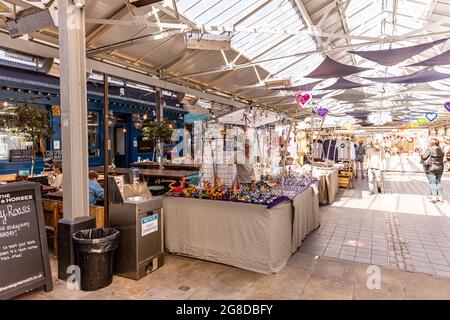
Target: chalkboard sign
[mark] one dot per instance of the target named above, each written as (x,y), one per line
(20,155)
(50,158)
(24,259)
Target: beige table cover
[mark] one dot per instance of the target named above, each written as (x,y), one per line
(306,216)
(328,185)
(246,236)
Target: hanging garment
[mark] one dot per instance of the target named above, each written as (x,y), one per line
(344,149)
(318,150)
(329,149)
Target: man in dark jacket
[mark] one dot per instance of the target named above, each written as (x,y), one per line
(433,163)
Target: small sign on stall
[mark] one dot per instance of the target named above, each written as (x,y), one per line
(149,224)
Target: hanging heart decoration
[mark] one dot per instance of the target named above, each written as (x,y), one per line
(321,111)
(431,116)
(303,98)
(447,106)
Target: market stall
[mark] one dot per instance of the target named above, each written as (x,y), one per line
(247,236)
(256,237)
(327,184)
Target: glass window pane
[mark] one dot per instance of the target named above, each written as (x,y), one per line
(93,134)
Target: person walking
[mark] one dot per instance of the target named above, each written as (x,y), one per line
(360,152)
(376,165)
(432,160)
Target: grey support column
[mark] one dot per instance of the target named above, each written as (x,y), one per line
(72,55)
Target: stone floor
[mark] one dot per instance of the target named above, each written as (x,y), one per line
(398,230)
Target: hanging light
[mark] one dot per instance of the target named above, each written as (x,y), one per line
(137,121)
(111,119)
(124,130)
(145,116)
(5,104)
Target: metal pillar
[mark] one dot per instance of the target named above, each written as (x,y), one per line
(159,118)
(72,55)
(106,147)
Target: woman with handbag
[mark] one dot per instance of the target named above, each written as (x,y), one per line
(433,164)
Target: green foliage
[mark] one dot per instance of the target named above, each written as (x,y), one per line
(156,131)
(29,122)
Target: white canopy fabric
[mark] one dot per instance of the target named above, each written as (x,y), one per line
(270,40)
(253,119)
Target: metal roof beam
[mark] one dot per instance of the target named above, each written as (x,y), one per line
(134,42)
(103,29)
(116,71)
(208,28)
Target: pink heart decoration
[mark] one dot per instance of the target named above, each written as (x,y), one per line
(303,98)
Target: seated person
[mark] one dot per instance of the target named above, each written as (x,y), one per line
(96,191)
(56,178)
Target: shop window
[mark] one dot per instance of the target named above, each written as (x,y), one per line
(93,134)
(10,142)
(144,146)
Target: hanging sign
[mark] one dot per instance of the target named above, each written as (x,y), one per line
(24,259)
(56,111)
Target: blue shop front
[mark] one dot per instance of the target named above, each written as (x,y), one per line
(127,102)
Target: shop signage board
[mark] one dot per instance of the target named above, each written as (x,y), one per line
(20,155)
(50,158)
(24,259)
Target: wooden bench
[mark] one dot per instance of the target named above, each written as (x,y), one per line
(53,212)
(8,177)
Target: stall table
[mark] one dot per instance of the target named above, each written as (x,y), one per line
(328,184)
(247,236)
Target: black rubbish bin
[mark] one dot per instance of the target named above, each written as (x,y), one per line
(94,249)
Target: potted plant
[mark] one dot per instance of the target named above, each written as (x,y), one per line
(31,124)
(157,132)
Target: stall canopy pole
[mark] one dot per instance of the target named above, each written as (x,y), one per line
(311,159)
(159,118)
(106,146)
(319,135)
(283,170)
